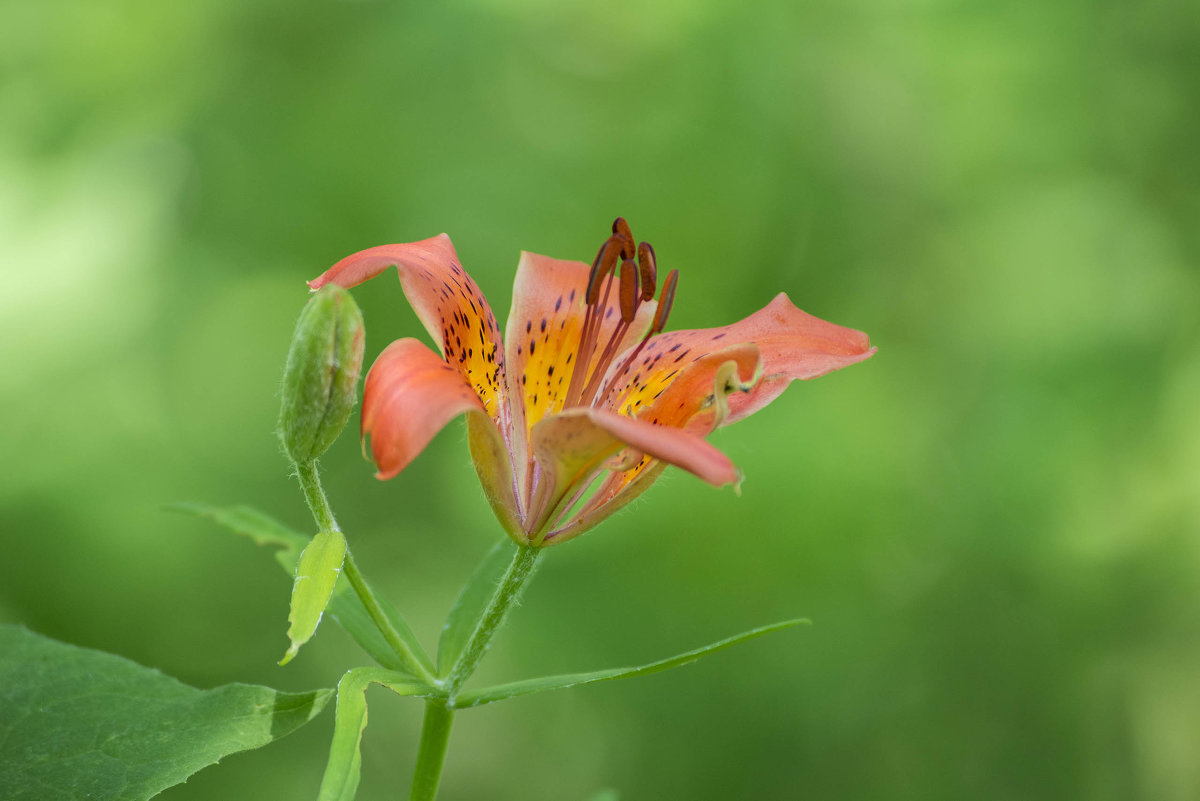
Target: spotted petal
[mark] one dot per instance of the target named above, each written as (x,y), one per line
(695,380)
(697,401)
(793,344)
(409,396)
(448,303)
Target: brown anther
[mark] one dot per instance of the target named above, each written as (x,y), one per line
(606,260)
(664,302)
(621,228)
(648,267)
(629,290)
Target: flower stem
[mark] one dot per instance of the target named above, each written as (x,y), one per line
(439,712)
(318,504)
(435,736)
(381,621)
(439,709)
(310,481)
(508,592)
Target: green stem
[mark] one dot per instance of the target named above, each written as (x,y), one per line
(381,621)
(439,712)
(435,736)
(508,592)
(310,481)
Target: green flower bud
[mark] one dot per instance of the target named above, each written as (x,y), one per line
(321,378)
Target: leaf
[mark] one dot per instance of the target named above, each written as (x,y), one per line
(504,691)
(317,574)
(351,615)
(343,769)
(345,606)
(251,523)
(606,795)
(79,724)
(471,601)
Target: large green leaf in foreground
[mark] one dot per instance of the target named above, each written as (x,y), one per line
(79,724)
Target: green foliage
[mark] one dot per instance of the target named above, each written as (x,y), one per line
(317,573)
(345,606)
(77,724)
(261,529)
(529,686)
(994,523)
(342,772)
(348,611)
(472,599)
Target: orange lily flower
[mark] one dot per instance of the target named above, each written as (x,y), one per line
(584,401)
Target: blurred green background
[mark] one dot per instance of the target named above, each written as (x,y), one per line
(994,524)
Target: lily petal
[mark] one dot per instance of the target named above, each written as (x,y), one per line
(698,401)
(572,447)
(793,344)
(693,398)
(410,395)
(448,303)
(544,326)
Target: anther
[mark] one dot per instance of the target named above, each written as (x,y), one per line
(629,290)
(648,267)
(606,260)
(664,302)
(621,228)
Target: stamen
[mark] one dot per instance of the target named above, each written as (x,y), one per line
(660,319)
(637,283)
(648,268)
(602,270)
(664,303)
(606,260)
(621,228)
(629,291)
(628,287)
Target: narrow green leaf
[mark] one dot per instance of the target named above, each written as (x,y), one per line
(503,691)
(255,525)
(606,795)
(343,769)
(317,574)
(348,610)
(345,606)
(79,724)
(471,601)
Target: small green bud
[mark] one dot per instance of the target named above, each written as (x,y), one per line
(320,381)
